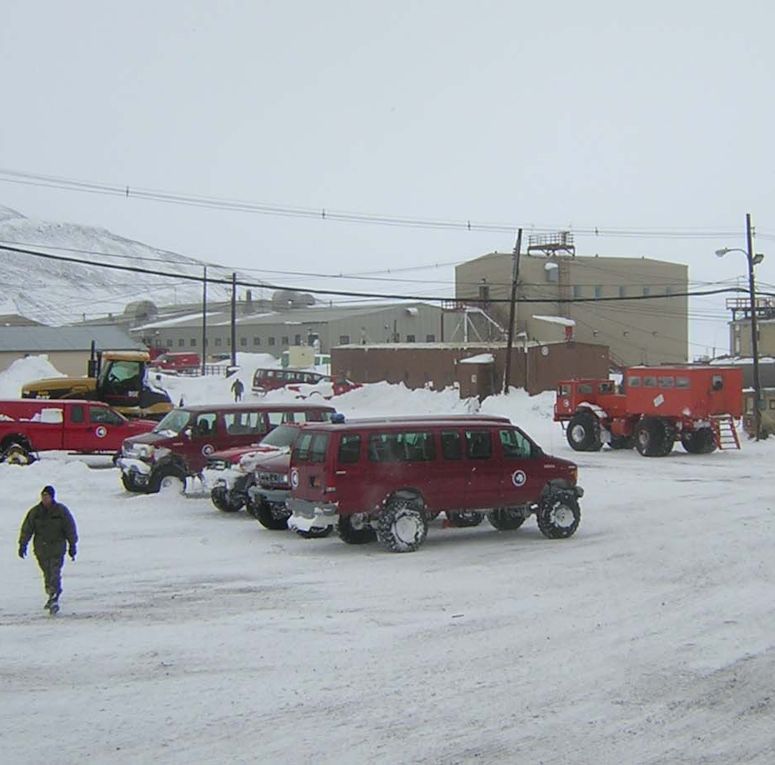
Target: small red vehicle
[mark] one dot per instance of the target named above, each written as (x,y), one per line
(654,407)
(386,478)
(178,362)
(180,445)
(30,425)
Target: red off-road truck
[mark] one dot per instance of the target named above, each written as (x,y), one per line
(652,408)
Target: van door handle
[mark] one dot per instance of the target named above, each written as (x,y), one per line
(341,472)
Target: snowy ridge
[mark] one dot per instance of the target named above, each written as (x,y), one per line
(59,292)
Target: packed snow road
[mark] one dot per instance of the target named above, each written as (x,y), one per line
(189,635)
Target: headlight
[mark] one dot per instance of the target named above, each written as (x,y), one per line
(159,453)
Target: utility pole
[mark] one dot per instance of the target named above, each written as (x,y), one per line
(512,311)
(757,391)
(204,319)
(234,319)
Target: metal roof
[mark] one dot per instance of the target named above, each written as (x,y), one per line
(45,339)
(292,317)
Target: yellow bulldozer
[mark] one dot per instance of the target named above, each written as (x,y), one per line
(119,378)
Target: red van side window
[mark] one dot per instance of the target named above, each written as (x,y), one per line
(349,448)
(451,446)
(478,444)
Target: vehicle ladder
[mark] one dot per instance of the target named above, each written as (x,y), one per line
(724,432)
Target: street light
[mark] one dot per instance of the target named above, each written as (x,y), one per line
(753,260)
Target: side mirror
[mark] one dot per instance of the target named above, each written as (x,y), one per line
(188,432)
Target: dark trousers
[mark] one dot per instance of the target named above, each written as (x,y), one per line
(51,566)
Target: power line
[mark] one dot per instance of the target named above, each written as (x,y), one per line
(68,184)
(349,293)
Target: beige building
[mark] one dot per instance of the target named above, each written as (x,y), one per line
(635,306)
(740,327)
(274,331)
(67,348)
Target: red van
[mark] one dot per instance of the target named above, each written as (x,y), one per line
(178,362)
(179,446)
(384,479)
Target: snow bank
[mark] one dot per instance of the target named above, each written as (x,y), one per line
(23,371)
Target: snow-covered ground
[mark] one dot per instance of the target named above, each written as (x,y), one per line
(192,636)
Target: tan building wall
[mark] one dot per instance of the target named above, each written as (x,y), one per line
(70,363)
(637,331)
(436,366)
(740,337)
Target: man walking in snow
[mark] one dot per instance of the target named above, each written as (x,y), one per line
(237,388)
(52,528)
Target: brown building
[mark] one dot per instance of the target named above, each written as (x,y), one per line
(535,367)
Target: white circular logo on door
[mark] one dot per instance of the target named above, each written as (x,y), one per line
(295,478)
(208,449)
(101,432)
(518,478)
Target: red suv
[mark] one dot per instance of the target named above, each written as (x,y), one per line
(385,479)
(179,446)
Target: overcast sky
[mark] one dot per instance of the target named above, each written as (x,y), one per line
(642,116)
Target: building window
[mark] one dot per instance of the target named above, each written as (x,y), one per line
(646,291)
(193,342)
(622,292)
(430,338)
(169,343)
(228,341)
(256,341)
(344,339)
(668,290)
(577,290)
(410,338)
(181,342)
(598,292)
(218,341)
(243,341)
(284,340)
(271,341)
(297,339)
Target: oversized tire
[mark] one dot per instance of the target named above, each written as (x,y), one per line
(16,454)
(355,529)
(650,437)
(167,479)
(621,442)
(558,515)
(583,432)
(225,500)
(130,484)
(271,516)
(507,518)
(464,519)
(668,438)
(701,441)
(402,525)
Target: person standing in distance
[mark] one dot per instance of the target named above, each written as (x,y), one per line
(52,528)
(237,388)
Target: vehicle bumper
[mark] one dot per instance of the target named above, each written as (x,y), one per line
(139,471)
(306,515)
(272,496)
(227,478)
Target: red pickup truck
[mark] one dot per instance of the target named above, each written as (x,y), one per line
(29,426)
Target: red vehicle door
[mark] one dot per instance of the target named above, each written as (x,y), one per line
(521,467)
(483,469)
(76,429)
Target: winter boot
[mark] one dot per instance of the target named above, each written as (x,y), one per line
(53,607)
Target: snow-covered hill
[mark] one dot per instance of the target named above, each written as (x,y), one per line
(57,292)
